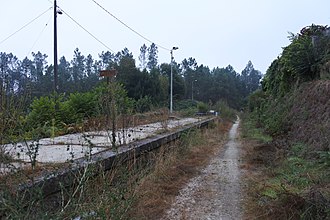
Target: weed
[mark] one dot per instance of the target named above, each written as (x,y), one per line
(173,168)
(294,186)
(164,118)
(251,131)
(325,158)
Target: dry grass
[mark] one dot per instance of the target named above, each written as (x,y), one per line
(172,171)
(142,188)
(282,187)
(254,167)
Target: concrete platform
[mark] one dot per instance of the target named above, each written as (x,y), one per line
(72,146)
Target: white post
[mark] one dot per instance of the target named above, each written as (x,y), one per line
(171,89)
(192,89)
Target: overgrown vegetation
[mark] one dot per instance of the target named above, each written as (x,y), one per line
(29,111)
(287,129)
(285,181)
(141,188)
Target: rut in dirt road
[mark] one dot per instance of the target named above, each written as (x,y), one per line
(216,193)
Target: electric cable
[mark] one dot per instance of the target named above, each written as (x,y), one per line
(39,35)
(86,30)
(123,23)
(27,24)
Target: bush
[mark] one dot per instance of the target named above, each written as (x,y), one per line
(225,111)
(42,111)
(184,105)
(143,104)
(82,105)
(43,118)
(202,107)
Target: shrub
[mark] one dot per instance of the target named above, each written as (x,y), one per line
(42,111)
(143,104)
(82,105)
(225,111)
(185,104)
(202,107)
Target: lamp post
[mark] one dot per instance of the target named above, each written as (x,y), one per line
(192,89)
(171,90)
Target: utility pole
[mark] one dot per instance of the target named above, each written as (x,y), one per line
(55,51)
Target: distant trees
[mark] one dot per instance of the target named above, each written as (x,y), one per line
(143,57)
(251,78)
(152,57)
(33,78)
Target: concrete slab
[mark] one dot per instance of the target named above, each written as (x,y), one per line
(72,146)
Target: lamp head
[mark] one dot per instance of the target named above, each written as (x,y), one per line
(175,48)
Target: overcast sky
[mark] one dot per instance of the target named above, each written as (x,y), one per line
(214,32)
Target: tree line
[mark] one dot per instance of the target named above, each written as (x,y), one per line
(33,78)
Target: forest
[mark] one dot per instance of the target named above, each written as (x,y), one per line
(28,99)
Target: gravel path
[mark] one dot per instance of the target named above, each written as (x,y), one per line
(216,193)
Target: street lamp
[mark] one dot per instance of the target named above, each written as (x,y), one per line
(171,92)
(192,89)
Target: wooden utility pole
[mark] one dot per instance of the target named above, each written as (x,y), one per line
(55,50)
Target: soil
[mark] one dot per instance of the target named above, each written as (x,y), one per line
(216,192)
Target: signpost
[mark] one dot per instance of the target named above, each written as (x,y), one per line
(108,74)
(110,107)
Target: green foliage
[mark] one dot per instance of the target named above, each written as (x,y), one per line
(257,100)
(325,158)
(83,105)
(298,186)
(301,61)
(42,111)
(185,104)
(225,111)
(76,108)
(269,113)
(251,78)
(143,104)
(274,118)
(300,179)
(186,107)
(250,129)
(202,107)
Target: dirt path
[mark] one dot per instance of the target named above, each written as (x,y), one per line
(216,193)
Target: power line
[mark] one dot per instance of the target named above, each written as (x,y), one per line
(39,35)
(25,25)
(87,31)
(123,23)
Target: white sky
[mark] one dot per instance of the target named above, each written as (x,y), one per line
(214,32)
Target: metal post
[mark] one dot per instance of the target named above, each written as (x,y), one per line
(171,89)
(192,89)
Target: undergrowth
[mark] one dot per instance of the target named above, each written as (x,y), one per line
(290,184)
(158,189)
(141,188)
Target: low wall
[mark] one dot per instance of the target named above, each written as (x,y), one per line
(53,182)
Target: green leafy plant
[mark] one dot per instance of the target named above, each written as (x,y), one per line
(202,107)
